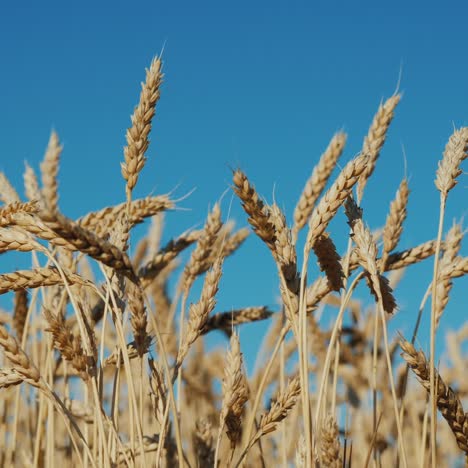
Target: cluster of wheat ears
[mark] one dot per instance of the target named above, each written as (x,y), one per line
(102,366)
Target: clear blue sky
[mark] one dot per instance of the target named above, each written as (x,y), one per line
(260,85)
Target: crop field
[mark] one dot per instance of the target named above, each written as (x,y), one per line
(105,358)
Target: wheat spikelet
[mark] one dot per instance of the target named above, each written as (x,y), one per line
(7,212)
(317,181)
(138,318)
(22,279)
(235,392)
(20,313)
(155,232)
(131,349)
(14,239)
(285,251)
(87,242)
(366,251)
(375,139)
(444,280)
(7,193)
(254,207)
(203,443)
(226,321)
(388,299)
(330,444)
(226,244)
(459,267)
(9,378)
(279,410)
(199,312)
(410,256)
(33,225)
(167,254)
(31,185)
(398,260)
(300,457)
(137,134)
(198,263)
(49,172)
(140,253)
(449,167)
(21,361)
(395,219)
(67,343)
(333,199)
(316,292)
(329,261)
(150,444)
(101,221)
(158,390)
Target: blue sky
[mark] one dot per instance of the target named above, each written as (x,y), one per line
(260,85)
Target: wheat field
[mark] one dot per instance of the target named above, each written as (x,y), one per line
(102,364)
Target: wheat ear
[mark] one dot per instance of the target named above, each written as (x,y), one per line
(24,279)
(138,133)
(138,210)
(375,139)
(334,198)
(278,411)
(67,343)
(226,321)
(317,181)
(199,312)
(21,361)
(255,208)
(7,193)
(7,212)
(235,395)
(444,280)
(447,401)
(447,172)
(330,444)
(394,224)
(49,172)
